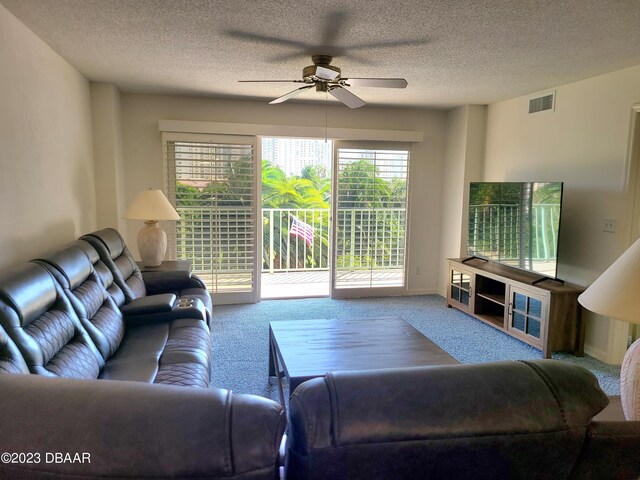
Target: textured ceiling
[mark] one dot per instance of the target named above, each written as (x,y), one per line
(452,52)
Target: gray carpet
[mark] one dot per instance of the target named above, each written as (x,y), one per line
(240,337)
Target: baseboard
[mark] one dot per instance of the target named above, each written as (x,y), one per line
(596,353)
(423,291)
(382,292)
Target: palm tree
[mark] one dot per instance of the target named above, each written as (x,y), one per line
(362,187)
(308,191)
(281,191)
(321,180)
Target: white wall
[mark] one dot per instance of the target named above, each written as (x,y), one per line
(107,153)
(46,165)
(465,136)
(142,151)
(584,143)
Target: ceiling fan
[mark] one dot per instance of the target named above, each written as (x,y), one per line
(326,78)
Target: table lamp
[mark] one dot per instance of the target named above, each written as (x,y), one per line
(616,294)
(151,206)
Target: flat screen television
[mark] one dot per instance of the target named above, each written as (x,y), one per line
(516,224)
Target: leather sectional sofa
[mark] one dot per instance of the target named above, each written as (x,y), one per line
(119,375)
(493,421)
(100,380)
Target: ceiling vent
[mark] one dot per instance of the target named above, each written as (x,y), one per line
(542,102)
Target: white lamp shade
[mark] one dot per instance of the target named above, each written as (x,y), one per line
(151,205)
(616,293)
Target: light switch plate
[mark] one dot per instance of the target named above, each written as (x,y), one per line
(609,225)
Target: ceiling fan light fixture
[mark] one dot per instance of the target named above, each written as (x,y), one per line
(326,78)
(327,73)
(314,73)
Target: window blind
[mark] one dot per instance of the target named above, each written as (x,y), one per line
(212,186)
(371,226)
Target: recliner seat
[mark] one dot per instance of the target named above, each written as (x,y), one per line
(511,420)
(116,256)
(38,317)
(61,320)
(173,351)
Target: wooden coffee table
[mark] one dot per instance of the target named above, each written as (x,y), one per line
(305,349)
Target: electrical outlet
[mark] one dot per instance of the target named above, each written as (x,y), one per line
(609,225)
(417,270)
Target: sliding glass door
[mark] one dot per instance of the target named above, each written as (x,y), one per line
(370,217)
(211,180)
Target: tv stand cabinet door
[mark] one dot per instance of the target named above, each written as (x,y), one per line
(528,314)
(460,288)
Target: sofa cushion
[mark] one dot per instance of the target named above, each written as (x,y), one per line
(115,254)
(102,270)
(39,318)
(138,355)
(187,374)
(159,353)
(95,308)
(188,340)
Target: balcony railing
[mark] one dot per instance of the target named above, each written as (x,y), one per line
(285,252)
(222,240)
(366,239)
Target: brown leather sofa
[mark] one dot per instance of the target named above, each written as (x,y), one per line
(135,430)
(125,382)
(126,395)
(504,420)
(115,254)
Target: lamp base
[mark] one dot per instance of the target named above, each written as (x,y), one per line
(152,244)
(630,382)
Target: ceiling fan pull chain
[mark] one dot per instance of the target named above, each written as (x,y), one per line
(326,122)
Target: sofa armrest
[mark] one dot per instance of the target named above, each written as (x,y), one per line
(150,304)
(163,308)
(166,281)
(137,430)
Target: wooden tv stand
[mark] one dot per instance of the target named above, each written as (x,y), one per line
(546,314)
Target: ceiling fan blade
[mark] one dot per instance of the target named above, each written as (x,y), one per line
(326,73)
(346,97)
(256,37)
(291,94)
(333,26)
(377,82)
(393,44)
(271,81)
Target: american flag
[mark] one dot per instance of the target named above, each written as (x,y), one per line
(302,230)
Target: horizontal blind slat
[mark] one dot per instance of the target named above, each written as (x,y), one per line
(212,187)
(371,217)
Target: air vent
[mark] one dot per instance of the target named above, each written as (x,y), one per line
(542,103)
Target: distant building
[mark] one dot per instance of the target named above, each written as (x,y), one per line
(293,154)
